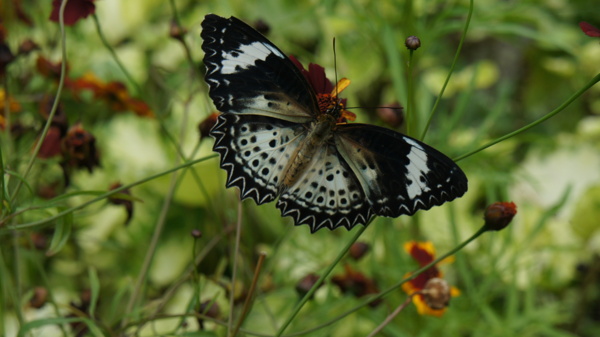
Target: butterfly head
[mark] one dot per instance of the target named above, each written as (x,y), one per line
(331,104)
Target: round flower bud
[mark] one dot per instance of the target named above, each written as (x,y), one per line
(196,233)
(499,214)
(412,43)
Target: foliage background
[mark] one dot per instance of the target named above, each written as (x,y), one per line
(520,60)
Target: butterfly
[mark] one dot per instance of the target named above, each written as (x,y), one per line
(278,139)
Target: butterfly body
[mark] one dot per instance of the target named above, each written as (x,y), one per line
(279,139)
(319,134)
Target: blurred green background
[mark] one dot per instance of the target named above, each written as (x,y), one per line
(520,60)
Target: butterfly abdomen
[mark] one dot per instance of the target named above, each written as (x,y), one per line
(320,132)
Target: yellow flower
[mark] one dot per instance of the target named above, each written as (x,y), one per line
(422,285)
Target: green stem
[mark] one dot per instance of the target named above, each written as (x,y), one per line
(456,55)
(236,252)
(107,194)
(314,288)
(580,92)
(114,54)
(61,83)
(249,297)
(410,116)
(413,275)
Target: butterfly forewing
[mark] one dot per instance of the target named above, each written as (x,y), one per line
(327,195)
(399,175)
(254,151)
(247,74)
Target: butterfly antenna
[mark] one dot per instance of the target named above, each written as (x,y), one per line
(335,66)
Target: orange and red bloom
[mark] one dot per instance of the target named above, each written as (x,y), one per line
(427,281)
(326,92)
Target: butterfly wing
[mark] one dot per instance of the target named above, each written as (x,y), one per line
(254,151)
(327,194)
(247,74)
(398,174)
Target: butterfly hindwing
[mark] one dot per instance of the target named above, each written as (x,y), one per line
(247,74)
(254,151)
(399,175)
(327,195)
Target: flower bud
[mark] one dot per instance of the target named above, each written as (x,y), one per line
(176,31)
(306,283)
(499,214)
(358,250)
(196,233)
(412,43)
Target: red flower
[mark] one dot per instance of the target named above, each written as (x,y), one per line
(207,124)
(74,11)
(589,30)
(424,253)
(79,151)
(123,198)
(327,94)
(48,69)
(356,283)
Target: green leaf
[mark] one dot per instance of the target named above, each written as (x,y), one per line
(27,327)
(95,288)
(61,234)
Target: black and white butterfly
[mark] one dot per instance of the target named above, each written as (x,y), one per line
(275,140)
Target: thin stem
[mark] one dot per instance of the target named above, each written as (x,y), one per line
(248,302)
(236,251)
(151,249)
(61,83)
(108,194)
(114,54)
(413,275)
(189,273)
(456,55)
(410,116)
(159,224)
(580,92)
(391,316)
(320,281)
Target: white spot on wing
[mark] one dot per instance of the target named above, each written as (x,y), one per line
(417,168)
(246,56)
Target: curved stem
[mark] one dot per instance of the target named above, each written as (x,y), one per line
(460,44)
(580,92)
(61,83)
(114,54)
(107,194)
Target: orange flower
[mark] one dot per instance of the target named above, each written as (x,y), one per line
(13,104)
(114,93)
(424,253)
